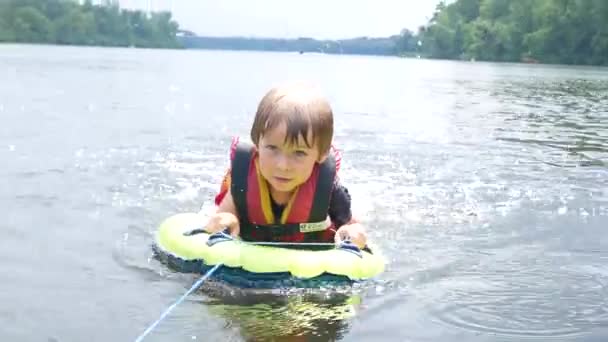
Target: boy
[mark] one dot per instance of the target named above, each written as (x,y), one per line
(284,187)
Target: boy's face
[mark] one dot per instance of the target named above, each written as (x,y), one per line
(286,166)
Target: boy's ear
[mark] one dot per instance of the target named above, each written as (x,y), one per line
(323,157)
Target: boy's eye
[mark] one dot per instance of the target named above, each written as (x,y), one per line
(300,153)
(271,147)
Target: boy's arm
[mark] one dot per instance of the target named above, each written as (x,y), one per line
(339,206)
(225,216)
(341,216)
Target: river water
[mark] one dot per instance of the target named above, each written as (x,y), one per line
(485,185)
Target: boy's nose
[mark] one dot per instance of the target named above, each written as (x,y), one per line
(282,162)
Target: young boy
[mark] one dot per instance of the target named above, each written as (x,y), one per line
(284,187)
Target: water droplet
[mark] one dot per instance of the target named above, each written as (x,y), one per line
(562,210)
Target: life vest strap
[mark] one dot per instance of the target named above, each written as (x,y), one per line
(323,192)
(238,185)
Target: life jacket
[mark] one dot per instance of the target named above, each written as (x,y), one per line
(304,218)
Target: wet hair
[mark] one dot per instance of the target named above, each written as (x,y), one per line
(303,110)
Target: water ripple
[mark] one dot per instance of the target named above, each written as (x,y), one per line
(524,296)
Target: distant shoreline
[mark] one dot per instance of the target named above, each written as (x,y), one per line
(404,56)
(4,43)
(461,30)
(386,46)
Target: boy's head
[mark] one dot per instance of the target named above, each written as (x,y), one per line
(305,113)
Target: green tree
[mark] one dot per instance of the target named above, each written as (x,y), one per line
(554,31)
(67,22)
(75,27)
(31,26)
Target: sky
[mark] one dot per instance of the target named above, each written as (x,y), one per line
(321,19)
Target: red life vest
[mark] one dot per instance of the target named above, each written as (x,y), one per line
(304,218)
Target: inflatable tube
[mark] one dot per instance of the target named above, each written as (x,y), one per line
(184,247)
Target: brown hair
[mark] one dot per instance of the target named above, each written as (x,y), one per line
(301,108)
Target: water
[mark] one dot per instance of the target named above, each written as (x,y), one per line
(486,185)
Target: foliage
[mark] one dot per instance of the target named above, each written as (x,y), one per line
(551,31)
(68,22)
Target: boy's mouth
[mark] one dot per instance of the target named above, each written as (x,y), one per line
(282,179)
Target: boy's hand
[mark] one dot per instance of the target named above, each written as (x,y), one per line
(220,221)
(353,232)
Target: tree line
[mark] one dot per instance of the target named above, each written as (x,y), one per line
(68,22)
(547,31)
(361,45)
